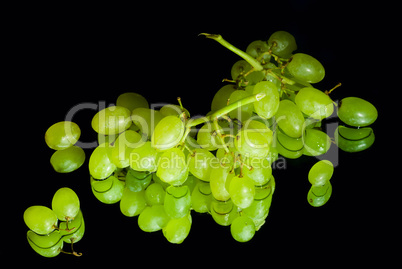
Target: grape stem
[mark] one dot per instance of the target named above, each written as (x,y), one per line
(257,66)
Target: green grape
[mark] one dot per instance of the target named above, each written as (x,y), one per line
(132,203)
(200,163)
(258,49)
(241,113)
(288,147)
(267,106)
(259,208)
(252,144)
(144,158)
(306,68)
(260,171)
(65,204)
(221,97)
(177,201)
(153,218)
(354,140)
(319,195)
(320,173)
(242,229)
(316,142)
(223,212)
(122,147)
(168,133)
(357,112)
(241,68)
(208,138)
(100,166)
(109,190)
(282,44)
(111,120)
(177,230)
(242,191)
(146,119)
(259,127)
(173,110)
(155,194)
(137,181)
(217,182)
(67,160)
(74,231)
(172,167)
(45,245)
(62,135)
(201,197)
(290,119)
(40,219)
(131,101)
(314,103)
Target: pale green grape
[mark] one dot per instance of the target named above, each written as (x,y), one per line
(177,201)
(267,106)
(306,68)
(316,142)
(155,194)
(132,203)
(259,127)
(144,158)
(146,119)
(282,44)
(153,218)
(242,229)
(137,181)
(223,212)
(67,160)
(167,133)
(65,204)
(287,146)
(217,182)
(172,167)
(109,190)
(45,245)
(357,112)
(62,135)
(320,173)
(200,162)
(242,191)
(122,147)
(221,97)
(259,208)
(74,231)
(244,112)
(207,137)
(354,140)
(173,110)
(241,68)
(314,103)
(252,144)
(112,120)
(177,230)
(260,171)
(290,118)
(100,166)
(40,219)
(201,197)
(319,195)
(258,49)
(132,100)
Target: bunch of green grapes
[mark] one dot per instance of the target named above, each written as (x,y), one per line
(51,228)
(161,164)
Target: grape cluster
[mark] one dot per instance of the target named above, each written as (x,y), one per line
(160,164)
(51,228)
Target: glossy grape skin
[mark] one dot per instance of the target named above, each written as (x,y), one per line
(131,101)
(354,140)
(314,103)
(112,120)
(223,212)
(285,44)
(172,167)
(108,191)
(77,229)
(316,142)
(67,160)
(132,203)
(357,112)
(62,135)
(177,230)
(221,97)
(267,106)
(100,166)
(177,201)
(40,219)
(144,158)
(200,162)
(65,204)
(306,68)
(319,195)
(242,191)
(252,144)
(167,133)
(290,118)
(242,229)
(48,245)
(153,218)
(320,173)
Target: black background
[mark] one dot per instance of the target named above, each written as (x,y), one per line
(71,55)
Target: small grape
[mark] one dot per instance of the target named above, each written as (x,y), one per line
(40,219)
(242,229)
(357,112)
(320,173)
(65,204)
(62,135)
